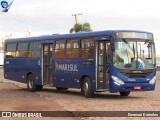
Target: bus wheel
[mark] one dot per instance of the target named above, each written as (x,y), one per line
(31,83)
(61,88)
(87,88)
(124,93)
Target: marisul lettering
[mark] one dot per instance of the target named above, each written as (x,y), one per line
(67,67)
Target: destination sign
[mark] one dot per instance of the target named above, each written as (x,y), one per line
(138,35)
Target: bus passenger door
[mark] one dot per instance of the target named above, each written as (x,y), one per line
(47,63)
(103,52)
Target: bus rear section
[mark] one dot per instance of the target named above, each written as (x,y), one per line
(21,60)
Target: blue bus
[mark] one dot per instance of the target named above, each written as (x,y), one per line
(114,60)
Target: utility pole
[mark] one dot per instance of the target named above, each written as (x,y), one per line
(75,15)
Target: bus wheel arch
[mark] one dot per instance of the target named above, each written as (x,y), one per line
(31,85)
(27,78)
(31,82)
(86,86)
(29,74)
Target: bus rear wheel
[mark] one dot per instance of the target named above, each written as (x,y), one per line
(87,89)
(31,83)
(124,93)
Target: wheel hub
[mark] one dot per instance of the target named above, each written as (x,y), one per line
(31,83)
(86,87)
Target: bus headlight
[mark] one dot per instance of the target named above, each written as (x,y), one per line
(153,80)
(117,80)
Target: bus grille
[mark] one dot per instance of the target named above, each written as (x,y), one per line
(137,75)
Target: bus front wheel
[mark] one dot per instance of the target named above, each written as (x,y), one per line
(124,93)
(31,83)
(87,89)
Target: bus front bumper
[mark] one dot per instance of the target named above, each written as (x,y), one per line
(132,87)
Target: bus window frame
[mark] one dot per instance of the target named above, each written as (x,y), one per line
(17,51)
(94,49)
(6,50)
(77,39)
(64,49)
(34,50)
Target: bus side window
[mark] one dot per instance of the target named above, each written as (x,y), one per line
(10,50)
(87,48)
(72,48)
(34,50)
(59,49)
(22,50)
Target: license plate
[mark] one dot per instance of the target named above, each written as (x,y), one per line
(137,87)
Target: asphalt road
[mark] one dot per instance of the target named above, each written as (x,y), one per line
(15,97)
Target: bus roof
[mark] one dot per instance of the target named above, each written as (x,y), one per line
(74,35)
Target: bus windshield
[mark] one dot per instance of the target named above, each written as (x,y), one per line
(136,55)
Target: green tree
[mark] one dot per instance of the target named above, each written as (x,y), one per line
(81,27)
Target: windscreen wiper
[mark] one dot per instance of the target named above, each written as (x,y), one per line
(128,45)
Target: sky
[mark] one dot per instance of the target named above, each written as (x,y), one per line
(43,17)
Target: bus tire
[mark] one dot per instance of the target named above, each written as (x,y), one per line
(87,89)
(61,88)
(31,83)
(125,93)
